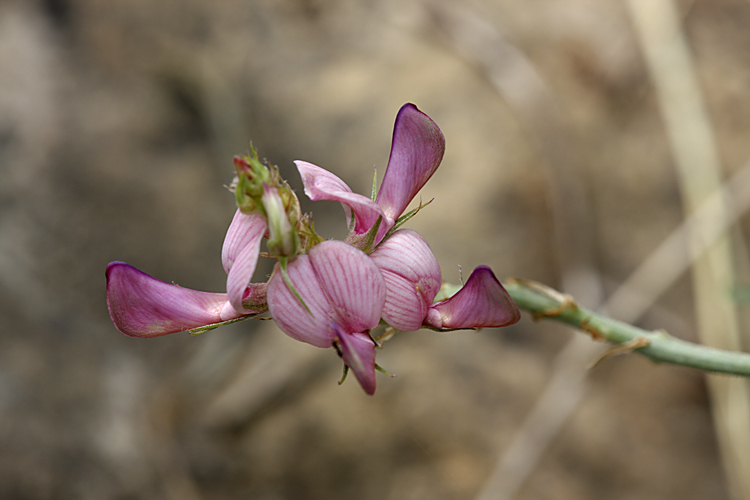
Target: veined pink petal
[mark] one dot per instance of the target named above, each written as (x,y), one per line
(407,254)
(352,283)
(243,231)
(358,352)
(482,302)
(142,306)
(320,184)
(412,277)
(240,255)
(404,307)
(416,152)
(290,315)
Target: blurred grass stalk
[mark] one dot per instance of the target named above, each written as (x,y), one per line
(667,55)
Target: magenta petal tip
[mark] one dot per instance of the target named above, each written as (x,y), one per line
(481,302)
(416,152)
(142,306)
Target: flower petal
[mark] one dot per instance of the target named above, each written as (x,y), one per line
(358,351)
(313,327)
(320,184)
(416,151)
(352,283)
(404,308)
(482,302)
(240,255)
(412,277)
(243,231)
(142,306)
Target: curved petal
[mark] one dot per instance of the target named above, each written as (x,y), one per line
(407,254)
(412,277)
(320,184)
(352,283)
(243,231)
(142,306)
(313,327)
(358,352)
(240,255)
(416,152)
(404,308)
(482,302)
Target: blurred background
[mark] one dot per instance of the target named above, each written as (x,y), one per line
(118,123)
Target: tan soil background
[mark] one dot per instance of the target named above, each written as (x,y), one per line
(118,122)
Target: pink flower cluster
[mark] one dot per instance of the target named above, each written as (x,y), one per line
(325,293)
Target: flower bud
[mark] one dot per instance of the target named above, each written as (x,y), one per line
(283,240)
(248,184)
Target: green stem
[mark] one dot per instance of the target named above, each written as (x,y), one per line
(545,303)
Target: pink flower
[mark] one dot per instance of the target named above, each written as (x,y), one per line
(142,306)
(336,293)
(341,294)
(416,151)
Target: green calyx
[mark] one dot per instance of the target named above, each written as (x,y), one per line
(248,184)
(366,242)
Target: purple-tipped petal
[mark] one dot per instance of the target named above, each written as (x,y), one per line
(482,302)
(358,351)
(416,152)
(240,255)
(142,306)
(290,315)
(321,184)
(352,283)
(412,277)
